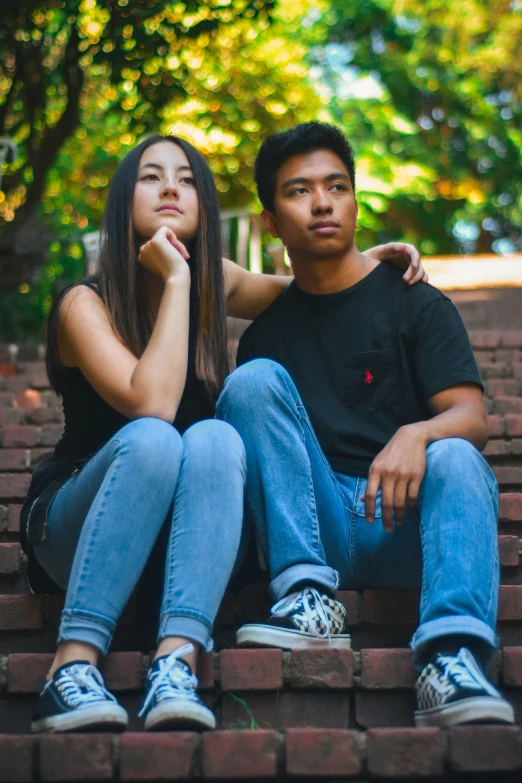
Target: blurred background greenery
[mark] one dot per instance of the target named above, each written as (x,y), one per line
(428,92)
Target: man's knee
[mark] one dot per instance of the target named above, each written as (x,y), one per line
(255,383)
(456,459)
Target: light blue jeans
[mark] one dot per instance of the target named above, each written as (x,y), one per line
(104,521)
(310,524)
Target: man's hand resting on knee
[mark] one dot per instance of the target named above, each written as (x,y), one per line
(399,468)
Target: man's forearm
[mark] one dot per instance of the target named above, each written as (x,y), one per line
(460,421)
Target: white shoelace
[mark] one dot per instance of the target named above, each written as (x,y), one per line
(82,684)
(463,669)
(166,676)
(287,605)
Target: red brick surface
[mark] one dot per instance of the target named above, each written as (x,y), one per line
(13,517)
(9,559)
(511,506)
(349,600)
(387,668)
(205,671)
(123,671)
(495,426)
(25,435)
(247,670)
(394,753)
(287,709)
(76,757)
(321,669)
(321,753)
(486,748)
(508,550)
(497,448)
(20,612)
(14,485)
(16,754)
(228,755)
(310,696)
(508,474)
(510,602)
(391,606)
(512,665)
(26,672)
(10,416)
(14,459)
(384,708)
(513,424)
(8,369)
(158,756)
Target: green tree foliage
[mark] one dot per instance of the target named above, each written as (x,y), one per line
(54,54)
(431,94)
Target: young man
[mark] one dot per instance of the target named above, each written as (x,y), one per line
(360,406)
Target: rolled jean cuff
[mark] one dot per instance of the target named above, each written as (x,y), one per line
(186,628)
(462,625)
(302,573)
(89,630)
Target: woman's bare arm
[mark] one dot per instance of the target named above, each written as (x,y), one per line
(249,294)
(149,386)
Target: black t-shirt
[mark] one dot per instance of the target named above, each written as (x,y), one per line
(364,360)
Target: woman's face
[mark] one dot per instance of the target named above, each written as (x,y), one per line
(165,193)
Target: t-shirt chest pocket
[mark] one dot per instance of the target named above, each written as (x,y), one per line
(371,380)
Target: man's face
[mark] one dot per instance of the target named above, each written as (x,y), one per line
(315,208)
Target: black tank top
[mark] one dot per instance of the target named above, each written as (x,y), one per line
(90,421)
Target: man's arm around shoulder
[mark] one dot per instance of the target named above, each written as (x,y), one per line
(399,468)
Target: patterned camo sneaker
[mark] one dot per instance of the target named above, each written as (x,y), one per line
(76,699)
(452,689)
(172,700)
(303,620)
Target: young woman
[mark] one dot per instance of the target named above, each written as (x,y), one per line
(134,350)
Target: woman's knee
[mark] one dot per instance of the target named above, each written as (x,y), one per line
(215,442)
(153,443)
(256,381)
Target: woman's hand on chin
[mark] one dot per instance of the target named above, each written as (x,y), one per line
(165,256)
(402,255)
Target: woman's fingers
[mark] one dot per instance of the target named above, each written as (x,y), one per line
(175,242)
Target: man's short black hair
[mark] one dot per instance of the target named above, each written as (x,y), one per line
(306,137)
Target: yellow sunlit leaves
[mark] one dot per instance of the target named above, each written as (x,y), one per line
(403,125)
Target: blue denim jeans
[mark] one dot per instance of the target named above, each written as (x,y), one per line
(104,521)
(310,522)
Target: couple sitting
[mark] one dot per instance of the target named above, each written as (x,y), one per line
(352,425)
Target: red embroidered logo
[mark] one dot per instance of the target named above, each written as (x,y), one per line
(368,377)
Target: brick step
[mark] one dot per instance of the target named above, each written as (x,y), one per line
(26,612)
(33,629)
(268,688)
(267,754)
(261,670)
(12,561)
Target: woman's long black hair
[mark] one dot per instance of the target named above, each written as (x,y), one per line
(121,279)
